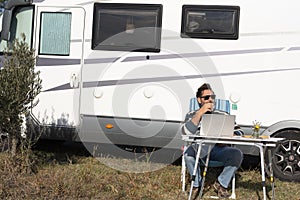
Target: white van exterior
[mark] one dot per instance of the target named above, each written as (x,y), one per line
(123,72)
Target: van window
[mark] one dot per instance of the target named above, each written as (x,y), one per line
(22,22)
(55,33)
(216,22)
(127,27)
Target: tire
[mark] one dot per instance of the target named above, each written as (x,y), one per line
(286,156)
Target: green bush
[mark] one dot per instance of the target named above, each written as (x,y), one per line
(19,85)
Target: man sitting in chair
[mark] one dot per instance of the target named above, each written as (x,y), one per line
(231,157)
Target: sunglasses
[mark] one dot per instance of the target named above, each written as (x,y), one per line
(206,97)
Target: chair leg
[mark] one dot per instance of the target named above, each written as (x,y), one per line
(183,171)
(233,195)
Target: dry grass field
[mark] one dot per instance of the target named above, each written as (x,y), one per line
(64,175)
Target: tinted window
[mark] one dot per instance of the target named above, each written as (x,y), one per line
(127,27)
(220,22)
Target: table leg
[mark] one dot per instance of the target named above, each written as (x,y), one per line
(205,171)
(271,173)
(195,169)
(262,163)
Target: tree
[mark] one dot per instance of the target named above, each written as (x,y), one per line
(19,85)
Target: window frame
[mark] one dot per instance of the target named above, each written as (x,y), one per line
(211,8)
(40,32)
(151,7)
(9,42)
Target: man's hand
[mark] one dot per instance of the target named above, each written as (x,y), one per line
(207,107)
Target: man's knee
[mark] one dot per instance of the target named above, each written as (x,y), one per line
(189,159)
(237,157)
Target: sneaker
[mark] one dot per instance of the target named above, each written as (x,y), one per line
(220,190)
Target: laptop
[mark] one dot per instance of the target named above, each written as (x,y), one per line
(216,125)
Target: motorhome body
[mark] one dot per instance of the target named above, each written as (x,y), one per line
(123,72)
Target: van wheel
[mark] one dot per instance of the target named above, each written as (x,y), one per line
(286,156)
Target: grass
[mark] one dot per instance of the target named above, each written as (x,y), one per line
(70,176)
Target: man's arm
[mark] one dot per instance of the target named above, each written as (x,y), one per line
(193,119)
(189,128)
(238,131)
(208,107)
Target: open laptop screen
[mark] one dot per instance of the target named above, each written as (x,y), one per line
(216,125)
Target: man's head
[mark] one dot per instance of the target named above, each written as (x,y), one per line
(205,94)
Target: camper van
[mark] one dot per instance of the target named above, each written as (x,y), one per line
(124,72)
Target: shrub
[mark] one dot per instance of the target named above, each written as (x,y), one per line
(19,85)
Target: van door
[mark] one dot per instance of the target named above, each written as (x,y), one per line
(59,41)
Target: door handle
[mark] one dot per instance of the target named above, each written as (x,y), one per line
(74,81)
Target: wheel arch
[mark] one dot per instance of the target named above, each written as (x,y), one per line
(282,126)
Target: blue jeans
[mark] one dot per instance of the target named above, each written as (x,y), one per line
(231,158)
